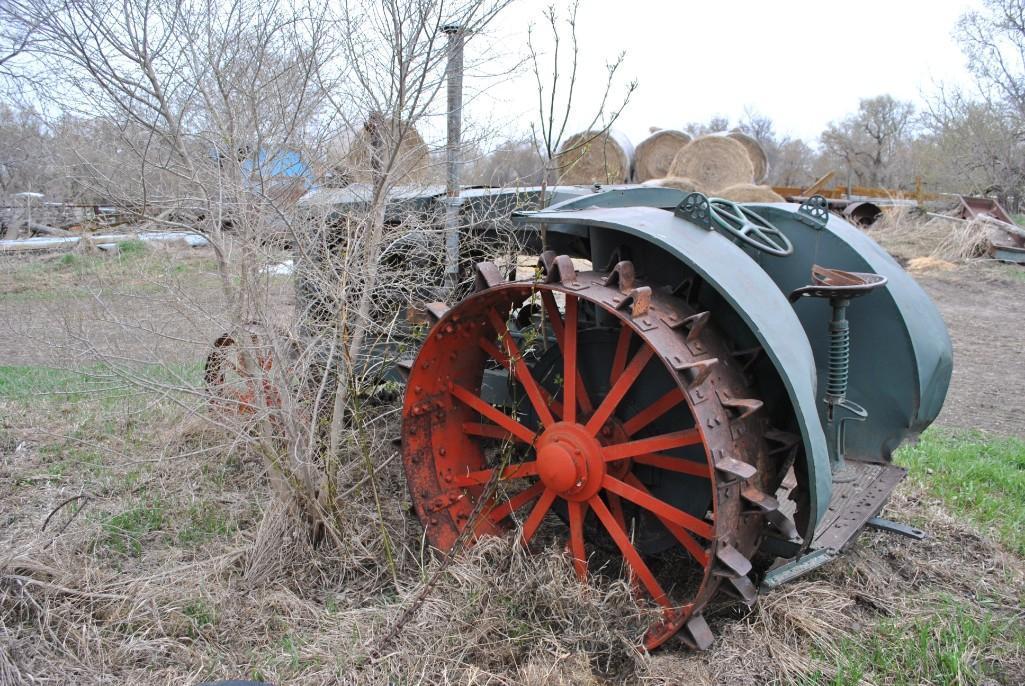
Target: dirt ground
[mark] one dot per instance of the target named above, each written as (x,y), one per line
(984,308)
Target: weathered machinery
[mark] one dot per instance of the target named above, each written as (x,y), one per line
(698,395)
(712,404)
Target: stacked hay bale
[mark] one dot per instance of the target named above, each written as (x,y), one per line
(373,146)
(713,162)
(749,192)
(595,157)
(680,183)
(655,154)
(755,152)
(728,166)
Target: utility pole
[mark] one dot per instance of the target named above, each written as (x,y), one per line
(453,200)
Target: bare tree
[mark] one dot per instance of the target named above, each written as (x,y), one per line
(993,39)
(219,116)
(556,77)
(717,124)
(870,142)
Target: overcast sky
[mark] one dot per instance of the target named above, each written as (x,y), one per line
(802,63)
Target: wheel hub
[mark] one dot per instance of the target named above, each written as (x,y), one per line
(570,461)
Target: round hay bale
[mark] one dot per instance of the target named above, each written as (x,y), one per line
(749,192)
(373,146)
(713,162)
(678,182)
(595,157)
(654,155)
(759,160)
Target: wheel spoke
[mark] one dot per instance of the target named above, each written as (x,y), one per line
(619,389)
(503,359)
(521,369)
(487,431)
(679,533)
(569,361)
(653,411)
(541,507)
(483,476)
(630,554)
(622,350)
(674,464)
(503,420)
(616,508)
(659,508)
(653,444)
(500,512)
(577,510)
(557,326)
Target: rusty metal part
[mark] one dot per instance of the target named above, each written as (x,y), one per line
(234,384)
(863,212)
(625,469)
(855,501)
(973,207)
(819,184)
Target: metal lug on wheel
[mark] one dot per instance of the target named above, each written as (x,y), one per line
(623,276)
(693,324)
(698,634)
(404,367)
(759,498)
(784,438)
(783,524)
(558,269)
(733,467)
(638,300)
(742,587)
(697,372)
(733,560)
(435,311)
(487,275)
(744,407)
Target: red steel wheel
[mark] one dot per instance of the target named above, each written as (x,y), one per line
(232,387)
(628,433)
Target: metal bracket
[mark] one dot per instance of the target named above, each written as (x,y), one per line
(814,212)
(695,209)
(802,565)
(897,528)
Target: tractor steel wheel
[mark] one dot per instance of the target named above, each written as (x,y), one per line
(234,389)
(633,438)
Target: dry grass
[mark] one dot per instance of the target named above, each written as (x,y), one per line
(908,233)
(174,567)
(129,592)
(964,240)
(918,265)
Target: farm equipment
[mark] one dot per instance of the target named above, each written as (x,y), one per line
(714,403)
(698,395)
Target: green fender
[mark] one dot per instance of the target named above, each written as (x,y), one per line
(751,293)
(901,355)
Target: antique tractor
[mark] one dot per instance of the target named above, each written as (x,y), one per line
(712,405)
(695,394)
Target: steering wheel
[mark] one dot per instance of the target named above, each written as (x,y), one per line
(749,226)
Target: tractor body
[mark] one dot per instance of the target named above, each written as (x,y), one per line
(714,402)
